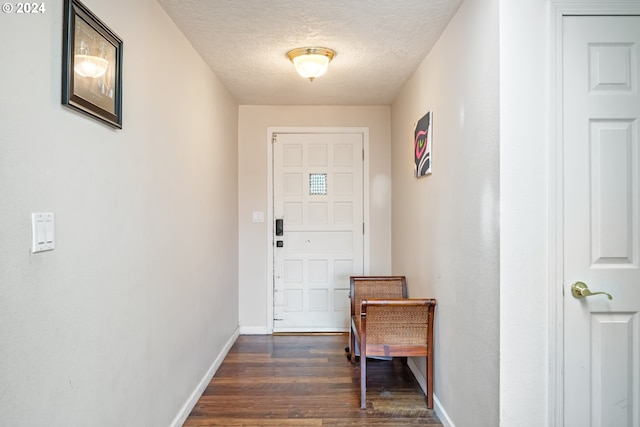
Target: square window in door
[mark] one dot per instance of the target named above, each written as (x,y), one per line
(318,184)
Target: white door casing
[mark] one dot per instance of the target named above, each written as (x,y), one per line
(601,224)
(318,239)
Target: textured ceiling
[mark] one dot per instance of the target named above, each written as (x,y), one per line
(379,44)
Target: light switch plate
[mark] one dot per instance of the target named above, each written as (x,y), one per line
(257,216)
(43,232)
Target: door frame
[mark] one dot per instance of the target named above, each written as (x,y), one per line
(559,10)
(364,131)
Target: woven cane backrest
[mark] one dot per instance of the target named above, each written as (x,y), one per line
(393,325)
(375,287)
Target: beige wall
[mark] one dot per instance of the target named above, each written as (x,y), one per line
(446,225)
(253,191)
(121,321)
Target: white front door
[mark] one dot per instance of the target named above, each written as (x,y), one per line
(601,113)
(318,230)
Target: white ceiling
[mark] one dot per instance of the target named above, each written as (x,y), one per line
(379,44)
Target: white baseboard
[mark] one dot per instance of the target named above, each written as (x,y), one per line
(253,330)
(184,412)
(437,406)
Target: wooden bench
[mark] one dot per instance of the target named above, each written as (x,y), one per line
(371,287)
(386,323)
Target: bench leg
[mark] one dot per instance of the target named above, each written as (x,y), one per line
(430,382)
(352,347)
(363,380)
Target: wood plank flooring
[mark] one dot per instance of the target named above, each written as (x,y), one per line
(306,380)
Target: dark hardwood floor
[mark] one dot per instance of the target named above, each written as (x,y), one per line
(306,380)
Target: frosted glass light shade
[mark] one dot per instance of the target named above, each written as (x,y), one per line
(311,62)
(311,66)
(90,66)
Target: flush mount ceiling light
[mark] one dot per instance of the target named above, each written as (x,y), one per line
(311,62)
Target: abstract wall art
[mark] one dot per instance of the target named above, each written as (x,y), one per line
(422,144)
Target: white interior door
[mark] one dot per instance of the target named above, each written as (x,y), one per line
(318,235)
(601,63)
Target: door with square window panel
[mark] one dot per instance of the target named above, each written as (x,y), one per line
(318,232)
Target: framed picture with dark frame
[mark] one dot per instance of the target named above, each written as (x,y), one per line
(91,65)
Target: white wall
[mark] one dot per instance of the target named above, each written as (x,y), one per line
(121,321)
(445,226)
(525,68)
(252,182)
